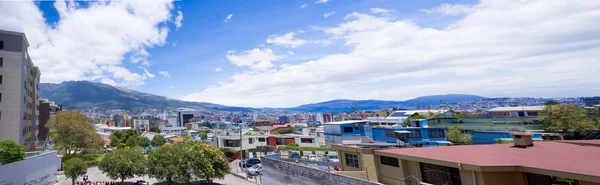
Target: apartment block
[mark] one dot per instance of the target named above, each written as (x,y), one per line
(19,90)
(48,110)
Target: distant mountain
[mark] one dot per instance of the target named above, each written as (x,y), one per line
(346,105)
(85,94)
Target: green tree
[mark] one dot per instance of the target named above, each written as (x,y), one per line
(122,136)
(181,163)
(157,140)
(72,133)
(551,102)
(11,151)
(132,142)
(456,136)
(203,135)
(229,152)
(143,141)
(73,168)
(186,137)
(154,129)
(123,164)
(567,119)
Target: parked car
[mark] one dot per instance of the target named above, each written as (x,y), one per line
(333,158)
(249,162)
(254,170)
(295,155)
(312,157)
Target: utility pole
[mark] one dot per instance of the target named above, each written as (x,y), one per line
(241,143)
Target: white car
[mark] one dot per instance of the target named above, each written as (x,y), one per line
(312,157)
(254,170)
(333,158)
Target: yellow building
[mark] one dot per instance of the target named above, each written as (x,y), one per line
(522,163)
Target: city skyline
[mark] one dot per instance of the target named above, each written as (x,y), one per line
(298,52)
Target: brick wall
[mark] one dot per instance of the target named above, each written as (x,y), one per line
(280,172)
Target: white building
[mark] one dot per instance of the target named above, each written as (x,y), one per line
(141,124)
(19,90)
(172,119)
(183,116)
(248,142)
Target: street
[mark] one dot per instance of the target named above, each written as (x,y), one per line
(95,174)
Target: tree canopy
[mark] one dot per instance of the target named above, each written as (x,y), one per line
(154,129)
(123,136)
(11,151)
(456,136)
(187,162)
(74,168)
(551,102)
(567,119)
(72,132)
(123,164)
(203,135)
(158,140)
(143,141)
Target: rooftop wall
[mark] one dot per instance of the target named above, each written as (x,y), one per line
(38,169)
(280,172)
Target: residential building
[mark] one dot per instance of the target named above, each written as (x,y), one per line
(518,111)
(141,124)
(19,90)
(183,116)
(522,163)
(248,142)
(505,124)
(48,110)
(285,139)
(591,101)
(327,118)
(490,137)
(345,132)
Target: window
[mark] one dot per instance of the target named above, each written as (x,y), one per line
(306,140)
(390,133)
(436,174)
(1,62)
(251,140)
(436,133)
(0,97)
(532,113)
(232,143)
(351,160)
(390,161)
(1,44)
(348,129)
(414,134)
(261,139)
(0,115)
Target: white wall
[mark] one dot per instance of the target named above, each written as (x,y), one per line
(39,169)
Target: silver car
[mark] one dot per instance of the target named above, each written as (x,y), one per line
(254,170)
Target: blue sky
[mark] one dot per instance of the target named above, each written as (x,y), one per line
(287,53)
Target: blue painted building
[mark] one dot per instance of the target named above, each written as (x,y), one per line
(355,131)
(489,137)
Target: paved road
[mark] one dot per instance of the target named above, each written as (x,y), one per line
(95,174)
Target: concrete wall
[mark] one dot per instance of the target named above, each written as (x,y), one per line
(36,170)
(281,172)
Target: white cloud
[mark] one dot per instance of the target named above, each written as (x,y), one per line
(286,40)
(304,6)
(218,69)
(90,42)
(165,74)
(379,11)
(228,18)
(328,14)
(449,9)
(289,40)
(487,52)
(291,53)
(322,1)
(256,59)
(178,20)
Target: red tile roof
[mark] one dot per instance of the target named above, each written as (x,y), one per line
(555,156)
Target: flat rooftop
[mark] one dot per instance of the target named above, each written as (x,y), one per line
(519,108)
(345,122)
(554,156)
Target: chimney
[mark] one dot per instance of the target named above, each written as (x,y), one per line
(522,139)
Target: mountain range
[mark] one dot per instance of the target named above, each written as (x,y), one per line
(85,94)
